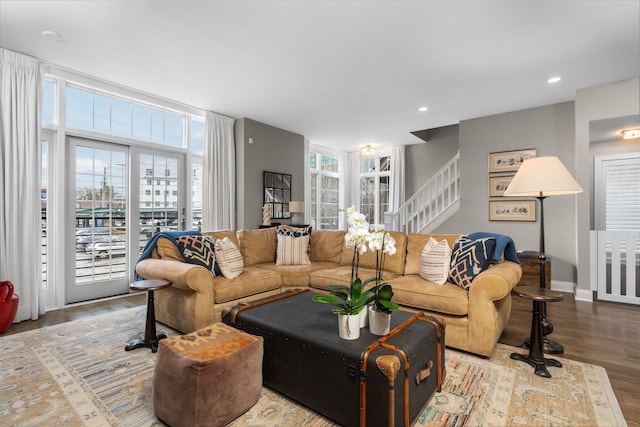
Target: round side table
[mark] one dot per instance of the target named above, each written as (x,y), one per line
(536,358)
(151,339)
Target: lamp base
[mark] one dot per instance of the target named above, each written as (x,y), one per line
(548,346)
(296,218)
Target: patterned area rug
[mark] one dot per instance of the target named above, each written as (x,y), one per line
(78,374)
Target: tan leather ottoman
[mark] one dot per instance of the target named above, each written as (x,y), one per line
(208,377)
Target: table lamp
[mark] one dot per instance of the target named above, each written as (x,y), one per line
(296,209)
(541,177)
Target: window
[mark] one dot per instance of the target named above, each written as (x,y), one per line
(197,135)
(618,192)
(375,176)
(325,186)
(49,102)
(92,111)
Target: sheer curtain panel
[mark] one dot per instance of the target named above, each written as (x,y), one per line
(21,86)
(219,187)
(397,177)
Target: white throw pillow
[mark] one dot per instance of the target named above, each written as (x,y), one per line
(229,258)
(293,250)
(436,257)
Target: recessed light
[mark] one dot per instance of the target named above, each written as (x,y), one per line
(631,133)
(52,35)
(422,109)
(555,79)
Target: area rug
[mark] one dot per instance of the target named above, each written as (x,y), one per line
(78,374)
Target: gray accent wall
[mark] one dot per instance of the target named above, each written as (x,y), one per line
(550,130)
(272,149)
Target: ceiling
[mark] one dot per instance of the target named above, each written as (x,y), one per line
(341,73)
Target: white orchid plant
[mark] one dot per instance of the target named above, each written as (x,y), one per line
(352,299)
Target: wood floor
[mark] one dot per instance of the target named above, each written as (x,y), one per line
(601,333)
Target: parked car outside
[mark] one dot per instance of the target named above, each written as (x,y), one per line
(85,236)
(105,248)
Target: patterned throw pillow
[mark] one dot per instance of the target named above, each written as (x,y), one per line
(198,250)
(229,258)
(292,230)
(470,258)
(436,257)
(292,250)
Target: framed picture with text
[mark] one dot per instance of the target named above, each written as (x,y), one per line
(512,210)
(509,161)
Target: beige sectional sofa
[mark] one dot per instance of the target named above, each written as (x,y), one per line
(474,319)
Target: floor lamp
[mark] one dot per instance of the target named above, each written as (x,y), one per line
(541,177)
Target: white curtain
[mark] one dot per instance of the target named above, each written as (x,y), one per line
(219,187)
(21,85)
(353,178)
(397,185)
(397,177)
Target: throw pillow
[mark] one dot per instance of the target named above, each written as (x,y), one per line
(293,250)
(198,250)
(292,230)
(436,257)
(470,258)
(229,258)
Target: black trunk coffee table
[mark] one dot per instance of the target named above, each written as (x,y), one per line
(375,380)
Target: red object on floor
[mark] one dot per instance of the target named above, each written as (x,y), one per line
(8,305)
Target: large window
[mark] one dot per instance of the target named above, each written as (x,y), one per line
(107,135)
(375,176)
(325,186)
(93,111)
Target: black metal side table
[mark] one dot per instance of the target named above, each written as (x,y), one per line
(536,358)
(151,338)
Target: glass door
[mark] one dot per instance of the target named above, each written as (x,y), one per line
(100,211)
(161,207)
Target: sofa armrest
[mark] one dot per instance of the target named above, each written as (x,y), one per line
(490,305)
(496,282)
(182,275)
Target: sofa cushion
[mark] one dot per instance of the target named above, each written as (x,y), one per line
(293,250)
(215,235)
(413,291)
(326,245)
(252,281)
(229,258)
(392,263)
(258,246)
(415,244)
(166,249)
(470,258)
(436,257)
(341,275)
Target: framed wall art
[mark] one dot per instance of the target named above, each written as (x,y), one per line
(512,210)
(509,161)
(498,184)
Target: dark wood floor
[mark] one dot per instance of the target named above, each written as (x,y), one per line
(601,333)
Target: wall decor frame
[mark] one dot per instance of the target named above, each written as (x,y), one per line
(512,210)
(509,161)
(498,185)
(277,193)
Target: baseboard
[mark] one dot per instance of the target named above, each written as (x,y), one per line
(560,286)
(584,295)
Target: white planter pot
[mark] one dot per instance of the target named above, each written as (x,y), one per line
(349,326)
(364,317)
(379,322)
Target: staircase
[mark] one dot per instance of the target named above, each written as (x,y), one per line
(432,204)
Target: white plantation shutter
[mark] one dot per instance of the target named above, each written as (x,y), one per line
(619,189)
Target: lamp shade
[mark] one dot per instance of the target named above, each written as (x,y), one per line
(542,176)
(296,206)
